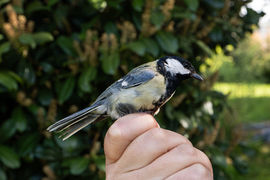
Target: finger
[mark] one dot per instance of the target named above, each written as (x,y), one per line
(147,147)
(123,131)
(204,159)
(180,157)
(193,172)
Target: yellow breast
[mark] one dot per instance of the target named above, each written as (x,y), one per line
(142,96)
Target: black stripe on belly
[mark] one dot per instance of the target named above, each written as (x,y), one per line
(124,109)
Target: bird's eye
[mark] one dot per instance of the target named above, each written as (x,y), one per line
(186,66)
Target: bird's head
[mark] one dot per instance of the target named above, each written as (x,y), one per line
(177,68)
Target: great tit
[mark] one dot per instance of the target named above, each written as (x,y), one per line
(144,89)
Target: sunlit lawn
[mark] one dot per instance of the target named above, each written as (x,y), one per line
(244,90)
(251,102)
(259,166)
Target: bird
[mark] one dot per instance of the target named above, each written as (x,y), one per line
(144,89)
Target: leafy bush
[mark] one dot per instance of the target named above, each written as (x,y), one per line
(58,56)
(241,65)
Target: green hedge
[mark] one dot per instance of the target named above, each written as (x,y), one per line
(57,56)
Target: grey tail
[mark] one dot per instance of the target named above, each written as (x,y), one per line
(75,122)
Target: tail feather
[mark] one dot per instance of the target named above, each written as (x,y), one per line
(70,119)
(66,126)
(75,122)
(69,131)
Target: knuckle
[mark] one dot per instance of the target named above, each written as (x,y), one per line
(113,172)
(114,177)
(182,139)
(185,140)
(149,118)
(157,133)
(187,149)
(204,159)
(110,174)
(114,131)
(201,172)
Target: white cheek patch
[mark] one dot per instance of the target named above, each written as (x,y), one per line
(175,67)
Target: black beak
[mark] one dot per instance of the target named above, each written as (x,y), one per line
(196,76)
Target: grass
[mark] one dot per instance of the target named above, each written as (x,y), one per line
(259,165)
(251,109)
(244,90)
(250,102)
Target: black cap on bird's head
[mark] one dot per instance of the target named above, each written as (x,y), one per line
(177,68)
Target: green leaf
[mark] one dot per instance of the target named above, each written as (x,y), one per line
(204,47)
(216,4)
(167,42)
(14,76)
(45,96)
(137,21)
(66,90)
(85,78)
(27,143)
(34,108)
(9,157)
(47,67)
(8,81)
(70,145)
(26,71)
(100,162)
(35,6)
(42,37)
(151,46)
(219,160)
(187,14)
(66,44)
(2,174)
(20,119)
(27,39)
(3,2)
(216,34)
(157,18)
(110,62)
(5,47)
(192,4)
(52,2)
(138,4)
(138,47)
(7,129)
(111,28)
(78,165)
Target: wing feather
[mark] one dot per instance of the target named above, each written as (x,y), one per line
(135,77)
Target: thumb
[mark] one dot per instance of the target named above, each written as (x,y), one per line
(123,132)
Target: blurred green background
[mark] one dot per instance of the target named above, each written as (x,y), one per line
(57,56)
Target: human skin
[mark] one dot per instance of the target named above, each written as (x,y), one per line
(137,148)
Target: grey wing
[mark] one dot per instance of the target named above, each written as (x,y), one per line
(134,78)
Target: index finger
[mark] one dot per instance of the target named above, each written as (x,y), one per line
(123,132)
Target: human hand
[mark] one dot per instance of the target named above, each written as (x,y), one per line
(136,148)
